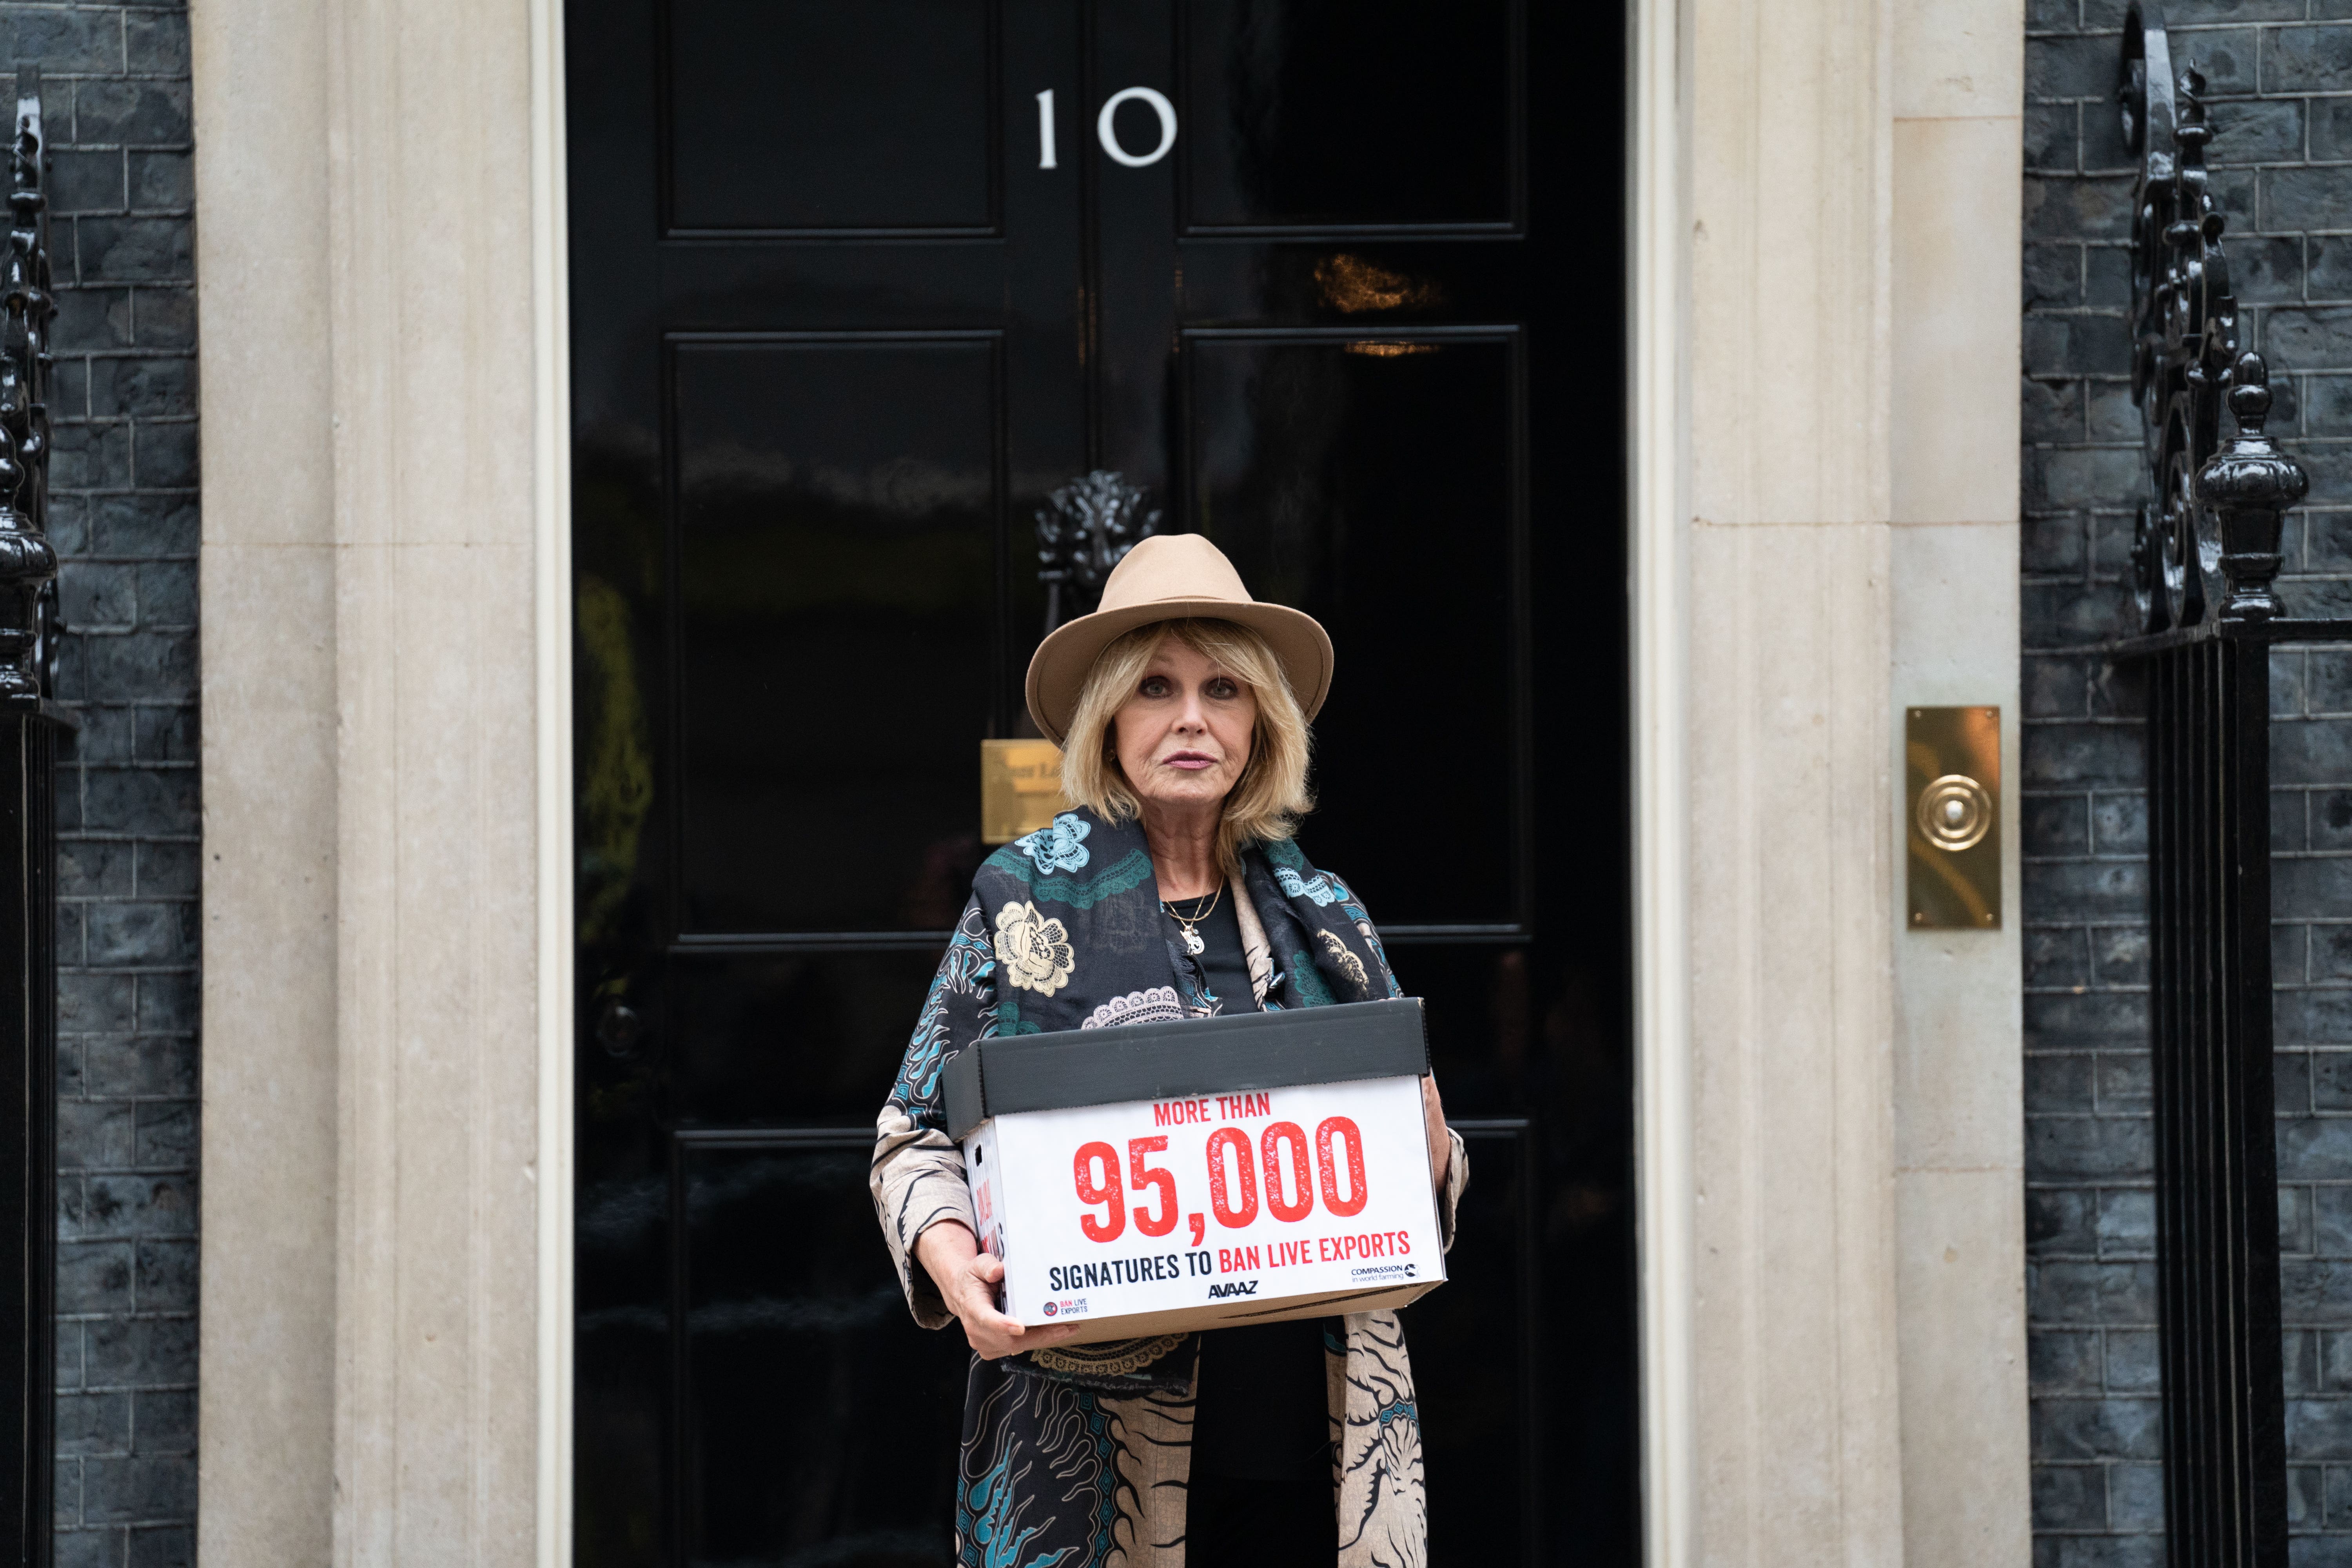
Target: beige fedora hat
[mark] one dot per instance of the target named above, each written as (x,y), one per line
(1168,577)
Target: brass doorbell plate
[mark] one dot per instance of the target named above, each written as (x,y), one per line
(1952,817)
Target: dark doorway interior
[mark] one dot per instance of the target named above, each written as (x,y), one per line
(835,334)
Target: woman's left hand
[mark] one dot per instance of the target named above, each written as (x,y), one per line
(1432,1121)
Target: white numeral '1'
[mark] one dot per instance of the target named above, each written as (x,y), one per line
(1046,130)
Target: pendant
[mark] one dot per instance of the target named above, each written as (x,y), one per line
(1193,942)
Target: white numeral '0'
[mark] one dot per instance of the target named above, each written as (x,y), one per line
(1109,138)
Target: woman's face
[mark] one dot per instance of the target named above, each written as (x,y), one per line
(1183,737)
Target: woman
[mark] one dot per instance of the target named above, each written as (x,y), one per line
(1173,891)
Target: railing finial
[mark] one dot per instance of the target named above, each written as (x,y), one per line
(2248,485)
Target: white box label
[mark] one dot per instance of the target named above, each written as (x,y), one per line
(1154,1205)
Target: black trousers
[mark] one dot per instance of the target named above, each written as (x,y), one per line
(1234,1523)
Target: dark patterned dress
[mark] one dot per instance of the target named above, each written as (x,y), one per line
(1079,1457)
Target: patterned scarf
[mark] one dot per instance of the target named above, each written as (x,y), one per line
(1080,942)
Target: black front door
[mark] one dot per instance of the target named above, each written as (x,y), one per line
(854,284)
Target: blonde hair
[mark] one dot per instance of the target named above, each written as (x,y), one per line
(1264,803)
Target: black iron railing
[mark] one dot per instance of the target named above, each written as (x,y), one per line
(29,728)
(2205,557)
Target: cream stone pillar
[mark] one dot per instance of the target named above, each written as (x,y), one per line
(1959,1126)
(265,1356)
(370,301)
(1826,327)
(1795,1420)
(430,135)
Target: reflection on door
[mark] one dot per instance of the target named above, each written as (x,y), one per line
(1338,286)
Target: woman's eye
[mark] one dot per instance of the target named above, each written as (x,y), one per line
(1153,686)
(1224,690)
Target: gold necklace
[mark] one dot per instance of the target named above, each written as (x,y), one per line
(1193,942)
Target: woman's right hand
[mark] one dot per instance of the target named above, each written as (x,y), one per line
(967,1278)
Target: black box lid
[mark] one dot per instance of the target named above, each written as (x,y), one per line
(1186,1056)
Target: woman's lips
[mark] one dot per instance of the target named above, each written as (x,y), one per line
(1191,762)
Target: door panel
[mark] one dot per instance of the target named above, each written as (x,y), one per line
(1310,467)
(836,334)
(800,1400)
(1482,1438)
(792,1036)
(1319,116)
(813,117)
(838,507)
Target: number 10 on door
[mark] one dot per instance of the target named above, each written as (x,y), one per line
(1105,128)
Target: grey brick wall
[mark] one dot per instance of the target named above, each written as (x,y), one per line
(2281,77)
(115,82)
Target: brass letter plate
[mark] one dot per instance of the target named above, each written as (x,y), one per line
(1020,788)
(1952,809)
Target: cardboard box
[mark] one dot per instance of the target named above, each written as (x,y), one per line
(1164,1177)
